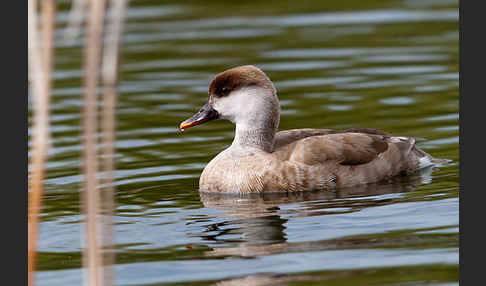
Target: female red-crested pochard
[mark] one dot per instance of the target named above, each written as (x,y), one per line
(260,159)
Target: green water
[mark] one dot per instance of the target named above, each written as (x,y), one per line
(391,65)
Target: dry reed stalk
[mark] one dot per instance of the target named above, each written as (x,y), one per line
(74,21)
(110,69)
(49,16)
(40,66)
(107,195)
(92,255)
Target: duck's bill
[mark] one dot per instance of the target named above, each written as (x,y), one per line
(205,114)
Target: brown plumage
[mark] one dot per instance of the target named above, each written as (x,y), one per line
(264,160)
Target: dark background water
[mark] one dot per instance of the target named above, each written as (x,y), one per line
(391,65)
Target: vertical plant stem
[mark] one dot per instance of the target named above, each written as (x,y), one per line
(40,66)
(74,21)
(92,256)
(110,71)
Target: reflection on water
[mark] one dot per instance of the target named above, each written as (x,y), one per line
(391,65)
(258,220)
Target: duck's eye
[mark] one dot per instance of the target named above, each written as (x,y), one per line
(225,90)
(221,91)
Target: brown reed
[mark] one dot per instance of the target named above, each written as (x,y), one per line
(40,70)
(91,201)
(40,67)
(75,20)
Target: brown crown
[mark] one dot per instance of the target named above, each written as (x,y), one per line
(236,78)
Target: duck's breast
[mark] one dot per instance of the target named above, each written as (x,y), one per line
(235,172)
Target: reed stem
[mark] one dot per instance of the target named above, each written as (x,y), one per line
(74,21)
(110,70)
(92,255)
(40,67)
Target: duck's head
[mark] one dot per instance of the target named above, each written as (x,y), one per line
(243,95)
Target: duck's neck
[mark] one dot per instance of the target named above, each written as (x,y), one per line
(259,137)
(257,125)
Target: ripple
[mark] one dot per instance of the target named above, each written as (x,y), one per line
(357,52)
(402,100)
(406,58)
(155,179)
(452,116)
(383,83)
(361,17)
(147,131)
(429,3)
(339,107)
(443,141)
(314,53)
(335,96)
(293,66)
(160,96)
(448,128)
(190,139)
(133,143)
(133,13)
(178,63)
(316,81)
(432,88)
(194,35)
(398,70)
(158,169)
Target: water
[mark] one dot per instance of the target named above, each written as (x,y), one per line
(391,65)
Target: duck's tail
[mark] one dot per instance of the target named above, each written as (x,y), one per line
(417,158)
(426,160)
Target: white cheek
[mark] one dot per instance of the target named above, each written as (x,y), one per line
(223,107)
(235,106)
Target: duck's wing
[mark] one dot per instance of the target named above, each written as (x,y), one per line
(341,148)
(344,158)
(283,138)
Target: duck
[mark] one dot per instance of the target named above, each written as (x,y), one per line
(262,159)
